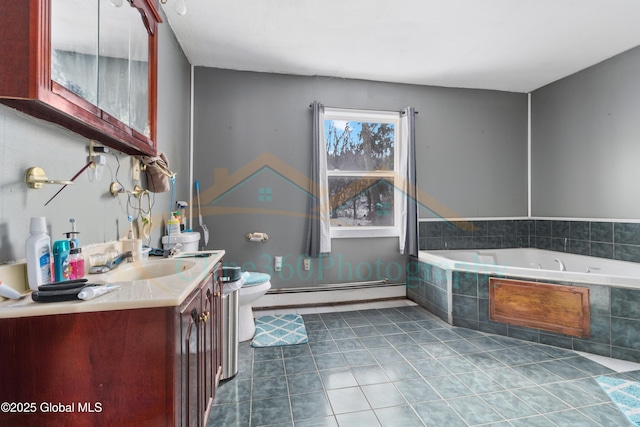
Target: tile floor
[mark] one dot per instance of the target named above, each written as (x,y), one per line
(396,364)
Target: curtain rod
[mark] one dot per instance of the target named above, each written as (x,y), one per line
(356,109)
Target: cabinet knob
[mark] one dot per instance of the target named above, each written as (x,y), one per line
(217,295)
(204,316)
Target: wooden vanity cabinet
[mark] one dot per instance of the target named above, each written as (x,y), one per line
(138,367)
(27,68)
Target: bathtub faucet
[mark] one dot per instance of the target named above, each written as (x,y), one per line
(559,261)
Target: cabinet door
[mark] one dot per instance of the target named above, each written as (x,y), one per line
(191,363)
(208,311)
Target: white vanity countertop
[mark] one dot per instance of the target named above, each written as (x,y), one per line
(166,291)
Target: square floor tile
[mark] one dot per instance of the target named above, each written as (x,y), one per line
(269,368)
(366,375)
(342,334)
(351,344)
(270,411)
(449,386)
(479,382)
(233,391)
(359,358)
(330,361)
(267,353)
(353,419)
(508,405)
(417,390)
(383,395)
(310,405)
(350,399)
(540,399)
(268,387)
(438,413)
(398,416)
(304,383)
(318,422)
(230,415)
(387,355)
(338,378)
(474,410)
(397,371)
(323,347)
(298,365)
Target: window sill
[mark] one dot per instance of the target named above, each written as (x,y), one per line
(363,232)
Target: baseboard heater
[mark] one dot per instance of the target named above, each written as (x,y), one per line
(335,287)
(340,293)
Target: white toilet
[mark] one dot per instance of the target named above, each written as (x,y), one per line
(255,285)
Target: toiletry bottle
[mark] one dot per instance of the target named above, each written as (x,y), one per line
(61,249)
(38,252)
(72,235)
(173,226)
(182,208)
(76,264)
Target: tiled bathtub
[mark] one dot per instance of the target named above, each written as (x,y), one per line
(460,296)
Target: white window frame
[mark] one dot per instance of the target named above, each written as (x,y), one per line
(370,116)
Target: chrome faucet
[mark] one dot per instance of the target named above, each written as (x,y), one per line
(112,264)
(168,253)
(559,261)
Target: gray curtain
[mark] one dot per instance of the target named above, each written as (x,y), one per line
(411,228)
(314,222)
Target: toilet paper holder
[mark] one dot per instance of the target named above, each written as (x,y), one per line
(257,237)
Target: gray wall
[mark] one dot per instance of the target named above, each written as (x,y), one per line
(586,142)
(26,142)
(471,148)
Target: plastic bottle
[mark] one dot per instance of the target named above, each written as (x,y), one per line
(61,252)
(76,264)
(38,253)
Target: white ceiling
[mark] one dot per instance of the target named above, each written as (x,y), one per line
(510,45)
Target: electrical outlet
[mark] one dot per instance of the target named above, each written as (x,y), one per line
(277,263)
(135,169)
(307,264)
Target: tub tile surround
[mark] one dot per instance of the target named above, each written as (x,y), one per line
(614,321)
(407,367)
(614,240)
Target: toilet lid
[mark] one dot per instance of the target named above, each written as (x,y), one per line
(256,278)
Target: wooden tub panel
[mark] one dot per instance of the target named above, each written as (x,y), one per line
(554,308)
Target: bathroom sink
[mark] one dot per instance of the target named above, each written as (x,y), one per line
(151,269)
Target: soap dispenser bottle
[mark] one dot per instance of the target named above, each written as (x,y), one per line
(38,253)
(71,235)
(76,264)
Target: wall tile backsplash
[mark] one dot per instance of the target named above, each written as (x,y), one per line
(615,240)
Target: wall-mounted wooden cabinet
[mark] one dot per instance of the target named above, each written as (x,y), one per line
(88,65)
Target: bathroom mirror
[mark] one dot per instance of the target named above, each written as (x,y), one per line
(87,65)
(100,52)
(74,46)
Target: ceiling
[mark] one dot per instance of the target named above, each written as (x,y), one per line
(509,45)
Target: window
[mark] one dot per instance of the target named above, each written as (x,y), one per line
(362,166)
